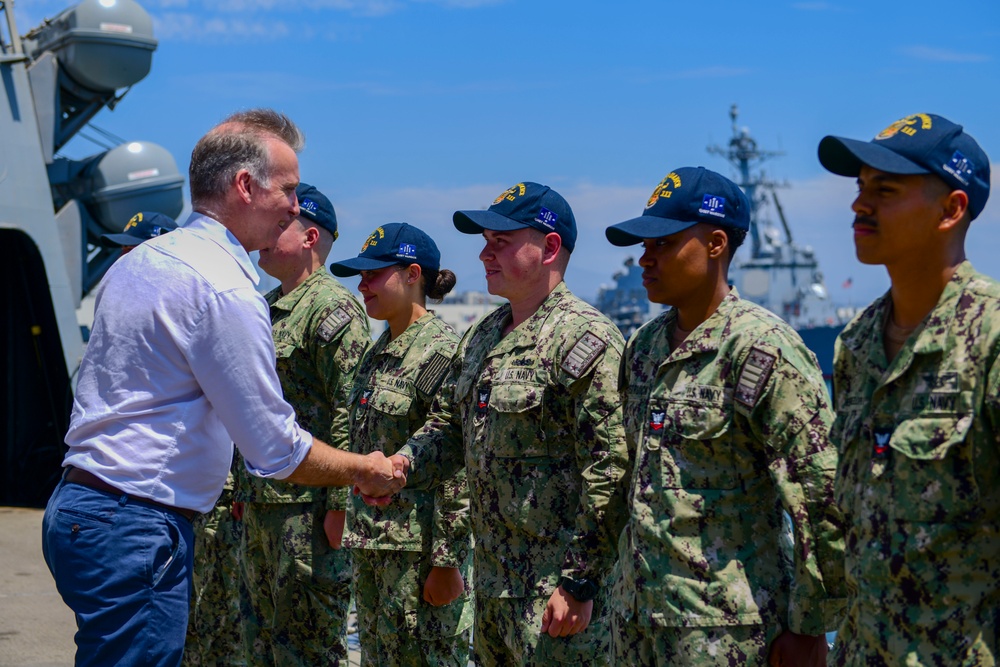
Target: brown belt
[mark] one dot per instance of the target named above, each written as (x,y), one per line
(85,478)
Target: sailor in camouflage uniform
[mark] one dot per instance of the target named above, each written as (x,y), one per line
(531,403)
(917,393)
(215,628)
(297,576)
(413,557)
(727,420)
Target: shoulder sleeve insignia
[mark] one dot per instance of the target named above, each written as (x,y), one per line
(754,376)
(578,359)
(332,321)
(430,377)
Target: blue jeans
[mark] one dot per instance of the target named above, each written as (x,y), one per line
(124,568)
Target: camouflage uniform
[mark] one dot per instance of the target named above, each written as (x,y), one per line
(724,432)
(536,415)
(299,587)
(214,634)
(919,482)
(396,546)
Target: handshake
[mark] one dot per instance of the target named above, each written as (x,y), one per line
(381,478)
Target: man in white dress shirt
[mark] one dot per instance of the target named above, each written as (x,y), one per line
(181,365)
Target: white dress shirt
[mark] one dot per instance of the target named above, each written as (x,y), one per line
(181,365)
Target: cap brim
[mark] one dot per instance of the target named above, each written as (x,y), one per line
(355,265)
(120,240)
(474,222)
(845,157)
(635,230)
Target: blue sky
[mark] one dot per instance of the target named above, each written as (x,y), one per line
(415,108)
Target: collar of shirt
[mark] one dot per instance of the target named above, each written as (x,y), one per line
(287,302)
(864,337)
(212,229)
(399,347)
(863,331)
(707,336)
(526,333)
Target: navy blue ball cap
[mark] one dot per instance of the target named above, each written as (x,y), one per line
(141,227)
(684,198)
(918,144)
(523,205)
(316,208)
(396,243)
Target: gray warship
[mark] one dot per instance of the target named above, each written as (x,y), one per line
(771,270)
(53,210)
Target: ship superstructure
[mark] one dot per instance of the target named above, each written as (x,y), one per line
(53,210)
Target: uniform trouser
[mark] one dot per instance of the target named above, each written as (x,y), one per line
(508,633)
(635,645)
(397,628)
(298,587)
(124,568)
(215,629)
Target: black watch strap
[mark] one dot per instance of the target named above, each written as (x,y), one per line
(583,590)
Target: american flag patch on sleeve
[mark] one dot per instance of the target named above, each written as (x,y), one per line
(430,377)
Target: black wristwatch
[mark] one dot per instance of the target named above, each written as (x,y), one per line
(584,590)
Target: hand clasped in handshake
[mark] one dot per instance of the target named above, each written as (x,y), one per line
(385,477)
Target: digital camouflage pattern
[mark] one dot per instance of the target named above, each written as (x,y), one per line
(396,627)
(509,636)
(297,613)
(393,390)
(299,587)
(214,634)
(725,432)
(729,645)
(919,482)
(535,418)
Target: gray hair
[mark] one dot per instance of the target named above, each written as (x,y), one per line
(238,142)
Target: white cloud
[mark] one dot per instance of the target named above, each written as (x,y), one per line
(192,27)
(931,53)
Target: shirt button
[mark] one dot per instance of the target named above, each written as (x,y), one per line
(75,528)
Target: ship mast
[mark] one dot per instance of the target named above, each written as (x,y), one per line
(744,155)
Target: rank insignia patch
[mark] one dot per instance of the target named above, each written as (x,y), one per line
(482,400)
(656,418)
(583,354)
(363,401)
(754,376)
(332,322)
(880,448)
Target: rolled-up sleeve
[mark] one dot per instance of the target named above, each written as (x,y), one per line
(232,357)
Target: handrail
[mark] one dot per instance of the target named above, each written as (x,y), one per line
(15,37)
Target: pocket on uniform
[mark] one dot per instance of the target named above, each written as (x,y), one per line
(521,405)
(389,401)
(447,620)
(701,447)
(933,475)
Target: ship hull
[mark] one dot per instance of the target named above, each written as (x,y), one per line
(821,340)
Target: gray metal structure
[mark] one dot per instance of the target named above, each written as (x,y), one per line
(54,80)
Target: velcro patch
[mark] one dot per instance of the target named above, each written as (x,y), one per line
(332,323)
(430,378)
(754,376)
(583,354)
